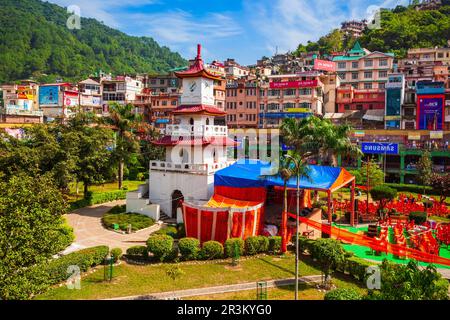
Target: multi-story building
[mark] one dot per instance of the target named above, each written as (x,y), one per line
(364,75)
(395,96)
(353,28)
(242,97)
(424,64)
(122,90)
(20,105)
(90,96)
(162,106)
(234,70)
(163,83)
(58,101)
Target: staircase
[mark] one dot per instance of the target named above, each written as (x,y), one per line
(166,219)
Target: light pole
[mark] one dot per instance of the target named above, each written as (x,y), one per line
(296,222)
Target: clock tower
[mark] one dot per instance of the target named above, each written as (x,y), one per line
(195,147)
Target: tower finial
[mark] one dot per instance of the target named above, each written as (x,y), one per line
(199,51)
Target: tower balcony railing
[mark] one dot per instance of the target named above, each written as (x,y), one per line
(204,168)
(180,130)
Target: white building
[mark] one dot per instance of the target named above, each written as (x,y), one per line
(195,150)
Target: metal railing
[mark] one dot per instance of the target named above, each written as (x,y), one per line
(188,167)
(193,130)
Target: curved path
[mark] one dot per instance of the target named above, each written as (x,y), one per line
(89,231)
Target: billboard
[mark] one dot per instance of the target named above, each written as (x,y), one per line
(379,148)
(48,95)
(324,65)
(293,84)
(430,112)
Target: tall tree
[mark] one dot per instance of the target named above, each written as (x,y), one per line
(320,137)
(31,228)
(125,123)
(425,169)
(441,185)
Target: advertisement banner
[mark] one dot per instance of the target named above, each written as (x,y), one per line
(414,136)
(298,110)
(430,112)
(48,95)
(293,84)
(324,65)
(436,134)
(379,148)
(70,100)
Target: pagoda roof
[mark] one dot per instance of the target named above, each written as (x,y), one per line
(168,141)
(198,109)
(197,69)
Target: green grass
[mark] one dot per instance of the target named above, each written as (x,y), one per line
(306,291)
(137,280)
(101,188)
(136,220)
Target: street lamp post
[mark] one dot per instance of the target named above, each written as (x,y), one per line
(296,223)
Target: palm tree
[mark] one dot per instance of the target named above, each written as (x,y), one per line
(320,137)
(124,121)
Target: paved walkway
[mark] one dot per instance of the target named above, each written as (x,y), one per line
(89,231)
(220,289)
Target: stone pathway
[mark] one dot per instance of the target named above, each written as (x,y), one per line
(89,231)
(220,289)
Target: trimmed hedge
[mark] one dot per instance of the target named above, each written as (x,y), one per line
(211,250)
(137,221)
(418,217)
(275,244)
(343,294)
(118,209)
(168,230)
(141,251)
(409,188)
(255,245)
(57,269)
(189,248)
(161,246)
(97,198)
(230,246)
(116,254)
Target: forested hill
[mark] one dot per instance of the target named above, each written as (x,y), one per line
(402,28)
(35,42)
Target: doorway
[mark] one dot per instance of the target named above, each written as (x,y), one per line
(177,200)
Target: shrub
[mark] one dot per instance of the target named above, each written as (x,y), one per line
(263,244)
(357,268)
(116,254)
(230,246)
(56,269)
(189,248)
(136,220)
(181,231)
(160,245)
(251,246)
(383,193)
(118,209)
(168,230)
(96,198)
(409,188)
(138,251)
(418,217)
(211,250)
(275,244)
(343,294)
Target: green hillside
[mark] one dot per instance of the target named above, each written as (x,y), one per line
(402,28)
(35,42)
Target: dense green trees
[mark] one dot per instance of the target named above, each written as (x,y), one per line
(402,28)
(34,41)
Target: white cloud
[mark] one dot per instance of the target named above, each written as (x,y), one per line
(286,23)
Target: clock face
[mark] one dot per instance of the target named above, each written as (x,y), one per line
(193,86)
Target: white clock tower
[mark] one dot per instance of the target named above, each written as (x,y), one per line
(195,148)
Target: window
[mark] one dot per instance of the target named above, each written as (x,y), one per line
(290,92)
(164,102)
(288,105)
(368,85)
(355,65)
(359,107)
(355,76)
(274,93)
(191,121)
(342,75)
(304,92)
(173,102)
(382,74)
(153,81)
(161,81)
(368,75)
(261,107)
(207,121)
(342,65)
(382,85)
(383,63)
(368,63)
(346,107)
(305,105)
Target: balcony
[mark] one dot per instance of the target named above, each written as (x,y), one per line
(177,130)
(188,167)
(19,111)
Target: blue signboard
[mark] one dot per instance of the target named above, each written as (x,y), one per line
(48,95)
(379,148)
(162,121)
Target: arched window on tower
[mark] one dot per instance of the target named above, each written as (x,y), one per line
(207,121)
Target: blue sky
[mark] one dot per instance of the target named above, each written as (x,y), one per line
(242,29)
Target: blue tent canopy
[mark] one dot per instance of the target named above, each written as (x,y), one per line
(255,173)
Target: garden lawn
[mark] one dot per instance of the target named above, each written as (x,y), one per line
(102,188)
(306,291)
(138,280)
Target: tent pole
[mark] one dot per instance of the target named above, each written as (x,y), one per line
(352,199)
(330,215)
